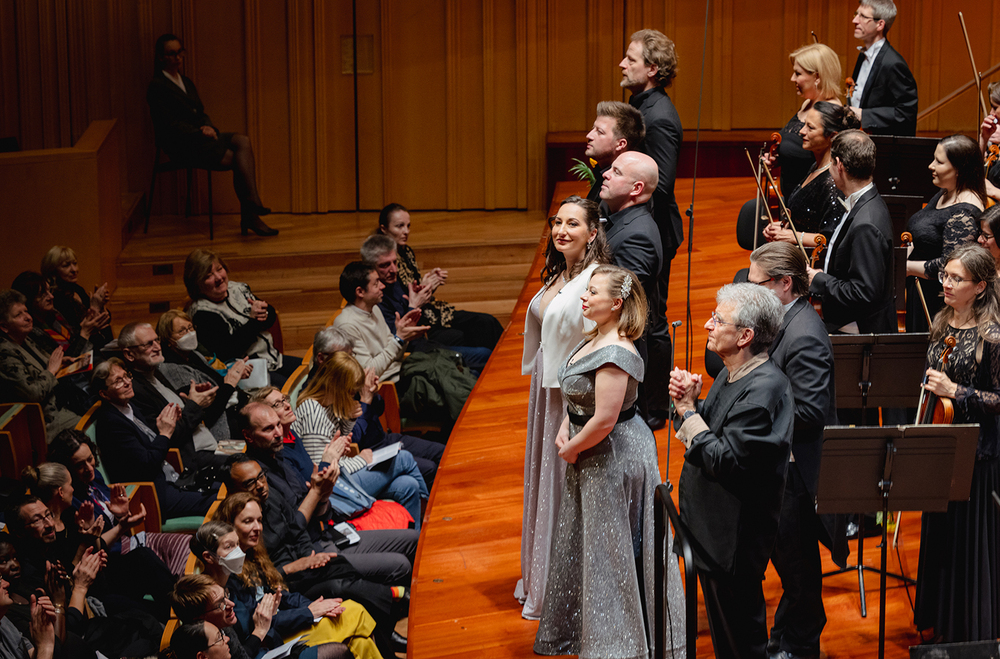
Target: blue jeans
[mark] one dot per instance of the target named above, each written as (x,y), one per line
(399,479)
(475,358)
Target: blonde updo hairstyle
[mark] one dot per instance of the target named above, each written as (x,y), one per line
(45,479)
(634,309)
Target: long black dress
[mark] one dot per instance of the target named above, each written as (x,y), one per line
(936,233)
(958,579)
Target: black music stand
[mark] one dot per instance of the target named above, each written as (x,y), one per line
(901,165)
(913,468)
(878,370)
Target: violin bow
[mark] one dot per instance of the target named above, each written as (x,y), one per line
(784,211)
(975,71)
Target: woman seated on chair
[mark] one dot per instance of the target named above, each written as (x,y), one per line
(367,432)
(28,369)
(60,269)
(449,326)
(328,404)
(187,135)
(92,332)
(231,321)
(74,450)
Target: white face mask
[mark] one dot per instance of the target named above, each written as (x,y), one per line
(233,563)
(188,342)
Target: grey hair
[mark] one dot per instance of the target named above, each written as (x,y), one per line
(375,246)
(755,307)
(329,340)
(126,338)
(882,10)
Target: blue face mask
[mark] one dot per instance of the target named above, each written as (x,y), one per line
(233,563)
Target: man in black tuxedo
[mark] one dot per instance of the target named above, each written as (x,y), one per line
(856,282)
(649,66)
(731,485)
(885,93)
(630,229)
(618,128)
(803,352)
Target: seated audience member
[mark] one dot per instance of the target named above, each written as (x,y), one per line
(60,269)
(129,576)
(131,633)
(449,326)
(42,644)
(203,420)
(243,512)
(133,450)
(263,619)
(380,251)
(326,343)
(187,135)
(327,406)
(439,387)
(27,370)
(75,339)
(385,556)
(231,321)
(340,387)
(74,450)
(179,343)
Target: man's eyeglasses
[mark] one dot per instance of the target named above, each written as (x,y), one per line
(858,14)
(39,521)
(143,347)
(760,283)
(251,483)
(223,604)
(718,321)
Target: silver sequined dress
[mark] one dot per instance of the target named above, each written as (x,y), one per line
(593,598)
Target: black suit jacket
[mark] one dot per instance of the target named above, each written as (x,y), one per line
(803,352)
(151,402)
(663,144)
(889,99)
(635,244)
(857,285)
(177,121)
(734,473)
(128,453)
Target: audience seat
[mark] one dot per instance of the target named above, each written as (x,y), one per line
(22,437)
(168,631)
(392,420)
(137,493)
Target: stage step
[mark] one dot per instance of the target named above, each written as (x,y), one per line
(299,276)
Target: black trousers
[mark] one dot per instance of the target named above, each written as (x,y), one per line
(800,617)
(659,347)
(469,328)
(737,617)
(384,555)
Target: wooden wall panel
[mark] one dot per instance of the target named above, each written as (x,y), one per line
(455,110)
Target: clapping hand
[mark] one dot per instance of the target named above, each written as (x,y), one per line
(258,309)
(202,393)
(326,608)
(407,328)
(118,505)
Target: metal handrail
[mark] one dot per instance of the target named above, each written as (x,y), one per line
(663,502)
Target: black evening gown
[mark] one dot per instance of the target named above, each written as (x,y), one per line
(936,233)
(958,579)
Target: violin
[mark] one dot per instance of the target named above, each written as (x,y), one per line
(932,408)
(849,86)
(992,155)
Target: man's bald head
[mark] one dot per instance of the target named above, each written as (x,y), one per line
(629,181)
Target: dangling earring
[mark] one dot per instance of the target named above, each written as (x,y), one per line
(589,245)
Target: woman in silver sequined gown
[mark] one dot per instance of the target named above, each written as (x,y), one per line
(553,326)
(599,595)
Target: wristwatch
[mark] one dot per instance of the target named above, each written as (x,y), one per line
(687,415)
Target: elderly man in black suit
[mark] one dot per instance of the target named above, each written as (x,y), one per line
(856,282)
(803,352)
(733,478)
(885,93)
(648,68)
(618,128)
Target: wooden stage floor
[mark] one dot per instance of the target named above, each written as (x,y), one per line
(469,556)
